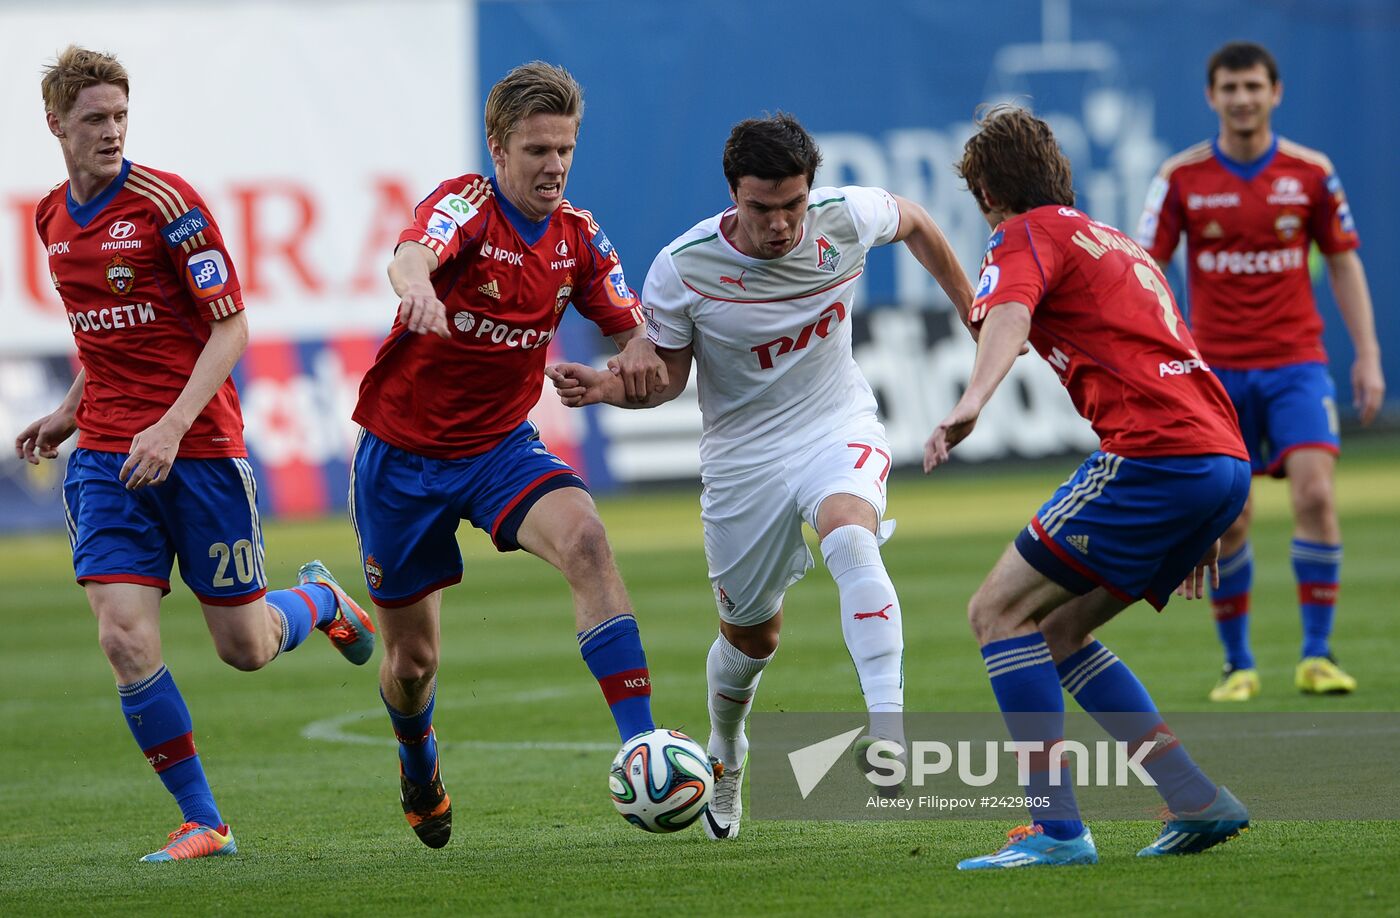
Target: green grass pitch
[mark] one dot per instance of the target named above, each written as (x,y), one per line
(301,759)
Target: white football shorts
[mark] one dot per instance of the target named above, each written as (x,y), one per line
(753,521)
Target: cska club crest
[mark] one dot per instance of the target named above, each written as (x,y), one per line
(828,255)
(374,574)
(1287,226)
(565,292)
(120,276)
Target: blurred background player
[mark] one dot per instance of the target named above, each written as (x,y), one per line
(484,275)
(1139,518)
(1251,203)
(156,311)
(760,297)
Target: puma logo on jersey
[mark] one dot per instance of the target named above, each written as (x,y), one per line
(735,281)
(880,613)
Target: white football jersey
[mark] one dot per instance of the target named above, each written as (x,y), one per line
(772,337)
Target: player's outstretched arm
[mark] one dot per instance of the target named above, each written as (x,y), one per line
(579,385)
(641,369)
(1354,302)
(1004,333)
(410,274)
(153,450)
(926,241)
(40,439)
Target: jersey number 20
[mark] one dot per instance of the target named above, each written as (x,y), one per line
(242,556)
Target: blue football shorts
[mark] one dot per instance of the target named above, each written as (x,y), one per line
(205,514)
(1135,527)
(1282,409)
(406,507)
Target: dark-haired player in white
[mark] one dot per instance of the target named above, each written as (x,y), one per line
(760,298)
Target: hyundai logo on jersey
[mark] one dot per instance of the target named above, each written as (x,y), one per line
(185,227)
(208,273)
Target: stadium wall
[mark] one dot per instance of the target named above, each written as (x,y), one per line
(311,156)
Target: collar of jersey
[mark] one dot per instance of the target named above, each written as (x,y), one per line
(83,214)
(1249,170)
(528,229)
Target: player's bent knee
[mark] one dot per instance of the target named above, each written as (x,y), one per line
(245,656)
(756,641)
(1314,499)
(1063,635)
(128,649)
(412,665)
(586,553)
(987,619)
(758,646)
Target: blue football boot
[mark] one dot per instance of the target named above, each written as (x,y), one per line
(1191,833)
(1029,846)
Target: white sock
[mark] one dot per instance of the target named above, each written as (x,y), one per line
(871,624)
(733,679)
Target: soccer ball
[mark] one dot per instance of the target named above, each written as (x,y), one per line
(661,781)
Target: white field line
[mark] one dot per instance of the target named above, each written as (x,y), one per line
(332,729)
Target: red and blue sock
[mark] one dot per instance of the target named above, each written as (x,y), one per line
(1230,604)
(302,608)
(1318,567)
(418,752)
(613,652)
(1027,689)
(1105,687)
(159,720)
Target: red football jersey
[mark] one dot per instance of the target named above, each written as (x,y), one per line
(505,283)
(142,271)
(1103,318)
(1248,228)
